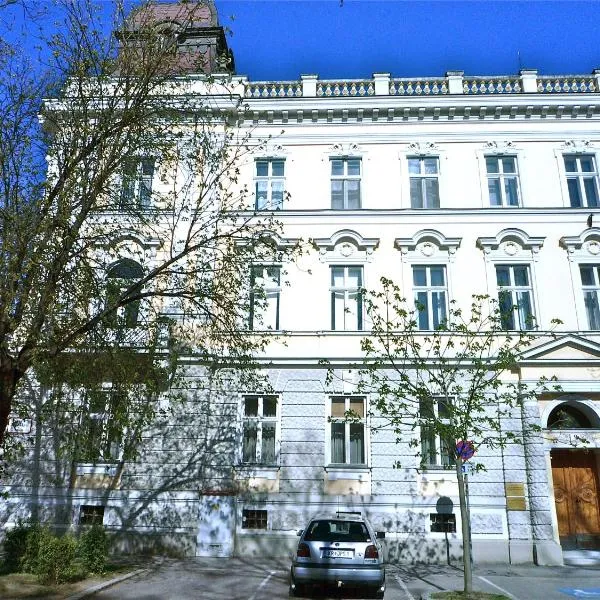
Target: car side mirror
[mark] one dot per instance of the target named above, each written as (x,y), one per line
(380,535)
(299,532)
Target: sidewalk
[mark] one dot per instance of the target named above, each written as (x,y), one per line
(105,584)
(517,582)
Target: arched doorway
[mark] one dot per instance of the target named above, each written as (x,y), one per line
(575,478)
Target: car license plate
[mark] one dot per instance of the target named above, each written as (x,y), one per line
(337,553)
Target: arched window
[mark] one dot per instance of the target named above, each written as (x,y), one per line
(120,277)
(567,416)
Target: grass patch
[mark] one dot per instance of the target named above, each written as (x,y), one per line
(471,596)
(24,585)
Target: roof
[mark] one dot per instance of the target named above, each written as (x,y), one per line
(199,13)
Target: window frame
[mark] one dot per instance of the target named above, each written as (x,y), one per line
(260,294)
(429,289)
(109,451)
(270,179)
(501,176)
(347,423)
(513,289)
(97,513)
(590,288)
(128,315)
(259,420)
(422,176)
(254,515)
(347,289)
(137,187)
(439,465)
(580,176)
(345,177)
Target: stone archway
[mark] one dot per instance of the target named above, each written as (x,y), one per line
(576,482)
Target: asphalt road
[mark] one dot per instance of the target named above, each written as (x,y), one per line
(237,579)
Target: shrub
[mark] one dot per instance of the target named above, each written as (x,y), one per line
(28,562)
(92,549)
(15,546)
(55,559)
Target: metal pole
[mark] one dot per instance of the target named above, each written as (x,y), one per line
(468,514)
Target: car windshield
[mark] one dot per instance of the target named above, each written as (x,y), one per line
(330,530)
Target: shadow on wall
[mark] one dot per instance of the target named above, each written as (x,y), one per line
(151,503)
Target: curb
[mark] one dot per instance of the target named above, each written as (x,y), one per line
(105,584)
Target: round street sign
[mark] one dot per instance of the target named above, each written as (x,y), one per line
(465,449)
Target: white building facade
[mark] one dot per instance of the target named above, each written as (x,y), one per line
(450,186)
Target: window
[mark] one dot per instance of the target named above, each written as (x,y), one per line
(503,184)
(424,184)
(101,426)
(259,445)
(136,190)
(565,416)
(270,183)
(264,297)
(442,523)
(347,435)
(254,519)
(91,514)
(436,450)
(346,299)
(345,183)
(515,296)
(582,179)
(335,530)
(429,286)
(590,280)
(120,277)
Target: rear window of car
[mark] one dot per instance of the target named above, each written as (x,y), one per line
(330,530)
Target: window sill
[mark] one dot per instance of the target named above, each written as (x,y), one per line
(437,470)
(262,471)
(356,472)
(100,468)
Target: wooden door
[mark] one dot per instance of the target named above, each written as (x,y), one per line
(576,493)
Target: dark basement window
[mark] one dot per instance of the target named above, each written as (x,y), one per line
(254,519)
(91,515)
(442,523)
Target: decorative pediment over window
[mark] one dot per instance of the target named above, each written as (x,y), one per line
(423,148)
(273,240)
(346,246)
(584,246)
(270,148)
(345,149)
(428,243)
(131,243)
(499,147)
(578,146)
(511,244)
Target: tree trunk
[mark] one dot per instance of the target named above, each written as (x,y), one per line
(9,377)
(465,519)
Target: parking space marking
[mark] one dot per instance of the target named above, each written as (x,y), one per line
(498,587)
(404,588)
(262,585)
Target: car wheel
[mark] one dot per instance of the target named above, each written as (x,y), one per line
(296,590)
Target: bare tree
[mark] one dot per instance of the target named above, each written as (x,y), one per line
(446,391)
(123,220)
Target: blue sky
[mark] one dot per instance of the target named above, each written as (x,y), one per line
(280,39)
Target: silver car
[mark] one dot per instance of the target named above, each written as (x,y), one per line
(340,550)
